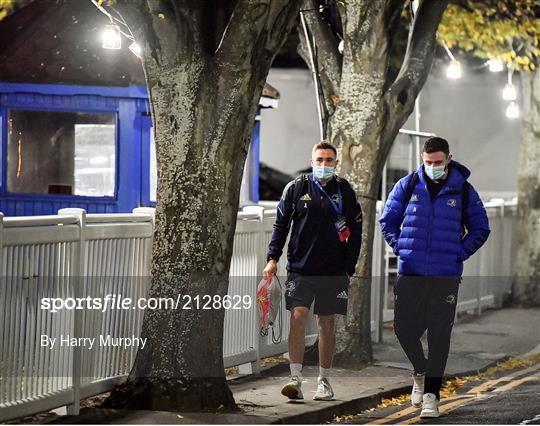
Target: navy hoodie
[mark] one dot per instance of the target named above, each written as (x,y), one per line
(314,247)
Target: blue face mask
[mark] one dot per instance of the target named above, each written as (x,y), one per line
(323,172)
(434,172)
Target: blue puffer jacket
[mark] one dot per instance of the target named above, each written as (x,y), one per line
(431,242)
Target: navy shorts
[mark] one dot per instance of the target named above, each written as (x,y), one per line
(328,292)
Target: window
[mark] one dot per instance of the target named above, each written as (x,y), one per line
(53,152)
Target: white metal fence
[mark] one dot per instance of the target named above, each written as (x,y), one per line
(66,256)
(79,255)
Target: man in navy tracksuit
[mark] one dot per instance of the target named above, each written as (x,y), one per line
(424,221)
(322,254)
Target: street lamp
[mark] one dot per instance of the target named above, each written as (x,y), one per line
(136,49)
(495,65)
(509,92)
(454,70)
(112,39)
(512,110)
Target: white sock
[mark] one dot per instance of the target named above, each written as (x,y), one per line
(296,369)
(324,373)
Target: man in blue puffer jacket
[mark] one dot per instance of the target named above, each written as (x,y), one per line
(434,220)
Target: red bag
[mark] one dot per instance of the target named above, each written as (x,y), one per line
(268,302)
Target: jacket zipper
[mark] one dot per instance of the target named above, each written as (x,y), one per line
(431,210)
(429,233)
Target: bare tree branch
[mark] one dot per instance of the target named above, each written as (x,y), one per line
(398,101)
(137,16)
(188,16)
(165,26)
(239,40)
(328,57)
(418,58)
(324,91)
(354,14)
(394,10)
(397,35)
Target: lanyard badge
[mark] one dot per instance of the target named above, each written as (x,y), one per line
(342,229)
(341,224)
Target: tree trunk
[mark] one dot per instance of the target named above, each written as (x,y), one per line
(203,101)
(526,289)
(357,137)
(200,172)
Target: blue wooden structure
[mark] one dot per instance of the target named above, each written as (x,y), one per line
(128,105)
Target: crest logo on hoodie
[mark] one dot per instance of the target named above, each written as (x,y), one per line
(290,287)
(451,202)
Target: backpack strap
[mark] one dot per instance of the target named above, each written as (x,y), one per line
(299,185)
(413,181)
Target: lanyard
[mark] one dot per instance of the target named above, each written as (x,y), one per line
(339,207)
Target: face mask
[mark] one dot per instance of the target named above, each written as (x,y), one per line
(323,172)
(435,172)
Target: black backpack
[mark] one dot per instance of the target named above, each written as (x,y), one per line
(413,181)
(297,192)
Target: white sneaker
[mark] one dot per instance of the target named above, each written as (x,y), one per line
(430,406)
(293,389)
(417,389)
(324,391)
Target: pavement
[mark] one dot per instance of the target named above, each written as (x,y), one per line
(477,343)
(517,406)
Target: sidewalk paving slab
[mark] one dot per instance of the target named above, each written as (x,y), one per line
(477,343)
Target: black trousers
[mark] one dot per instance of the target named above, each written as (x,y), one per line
(420,304)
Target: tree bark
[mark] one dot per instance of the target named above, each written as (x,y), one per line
(203,108)
(526,288)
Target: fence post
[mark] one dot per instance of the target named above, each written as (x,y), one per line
(152,212)
(146,211)
(383,290)
(479,285)
(255,366)
(76,275)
